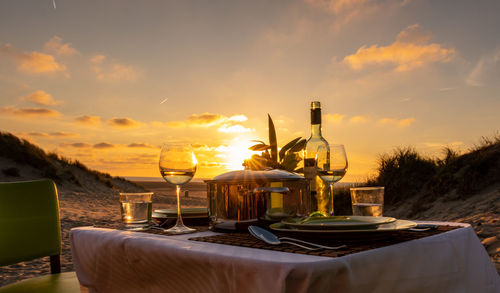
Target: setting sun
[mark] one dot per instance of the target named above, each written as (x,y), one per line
(237,152)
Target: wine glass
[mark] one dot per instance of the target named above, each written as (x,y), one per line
(332,168)
(177,166)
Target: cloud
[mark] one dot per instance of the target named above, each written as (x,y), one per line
(141,145)
(41,98)
(487,69)
(97,59)
(234,129)
(54,134)
(358,119)
(30,112)
(335,118)
(88,120)
(33,62)
(64,134)
(103,145)
(112,71)
(123,123)
(38,134)
(410,50)
(348,11)
(198,146)
(76,145)
(442,145)
(397,122)
(207,120)
(339,6)
(239,118)
(56,46)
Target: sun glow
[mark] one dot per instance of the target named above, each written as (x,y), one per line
(237,152)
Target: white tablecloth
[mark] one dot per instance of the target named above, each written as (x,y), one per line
(118,261)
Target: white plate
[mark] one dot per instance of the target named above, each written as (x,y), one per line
(337,222)
(186,213)
(390,227)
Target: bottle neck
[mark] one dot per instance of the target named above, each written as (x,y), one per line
(315,130)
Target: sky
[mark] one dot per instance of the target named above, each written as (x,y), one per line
(108,82)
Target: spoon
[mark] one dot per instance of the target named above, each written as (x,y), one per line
(272,239)
(423,227)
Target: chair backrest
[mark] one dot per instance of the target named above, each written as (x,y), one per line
(29,221)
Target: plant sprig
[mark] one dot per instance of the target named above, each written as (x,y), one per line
(287,158)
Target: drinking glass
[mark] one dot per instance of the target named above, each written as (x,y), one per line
(178,166)
(367,201)
(332,168)
(136,210)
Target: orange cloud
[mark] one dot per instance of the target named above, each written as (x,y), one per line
(88,120)
(30,112)
(397,122)
(441,145)
(339,6)
(55,45)
(34,62)
(335,118)
(207,120)
(113,71)
(409,51)
(39,134)
(54,134)
(358,119)
(64,134)
(123,122)
(97,59)
(234,129)
(347,11)
(76,145)
(103,145)
(42,98)
(141,145)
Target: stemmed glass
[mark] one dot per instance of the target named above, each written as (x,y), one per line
(333,168)
(178,166)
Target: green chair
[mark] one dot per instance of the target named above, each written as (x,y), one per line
(30,229)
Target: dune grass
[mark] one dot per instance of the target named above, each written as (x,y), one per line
(405,173)
(50,165)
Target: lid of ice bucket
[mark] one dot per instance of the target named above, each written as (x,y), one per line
(248,176)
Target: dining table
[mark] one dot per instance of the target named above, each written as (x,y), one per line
(110,259)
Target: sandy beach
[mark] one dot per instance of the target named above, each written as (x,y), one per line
(86,209)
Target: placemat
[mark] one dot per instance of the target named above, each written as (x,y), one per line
(247,240)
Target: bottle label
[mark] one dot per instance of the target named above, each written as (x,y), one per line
(316,116)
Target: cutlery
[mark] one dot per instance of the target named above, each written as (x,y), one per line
(272,239)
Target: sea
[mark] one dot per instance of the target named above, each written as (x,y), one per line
(157,179)
(202,180)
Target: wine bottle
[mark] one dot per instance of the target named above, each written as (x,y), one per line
(317,153)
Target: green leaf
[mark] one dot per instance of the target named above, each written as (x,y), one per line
(299,146)
(273,143)
(256,162)
(289,162)
(286,147)
(259,147)
(259,141)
